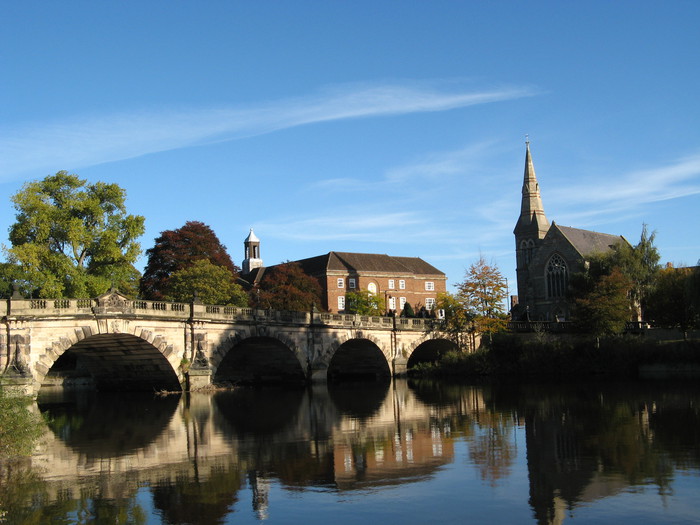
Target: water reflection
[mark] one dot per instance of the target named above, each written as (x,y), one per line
(205,458)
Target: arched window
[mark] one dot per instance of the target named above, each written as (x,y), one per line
(527,247)
(556,276)
(372,288)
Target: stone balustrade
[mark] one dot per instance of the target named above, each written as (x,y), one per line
(19,308)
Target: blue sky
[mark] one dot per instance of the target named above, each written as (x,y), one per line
(379,127)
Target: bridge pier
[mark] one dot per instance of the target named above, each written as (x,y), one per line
(198,378)
(318,375)
(400,366)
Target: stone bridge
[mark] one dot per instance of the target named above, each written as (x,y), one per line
(113,342)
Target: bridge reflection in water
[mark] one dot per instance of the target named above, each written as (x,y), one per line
(410,452)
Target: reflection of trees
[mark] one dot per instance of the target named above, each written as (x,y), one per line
(488,431)
(492,447)
(185,500)
(589,441)
(24,500)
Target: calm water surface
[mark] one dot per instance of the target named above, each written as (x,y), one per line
(365,453)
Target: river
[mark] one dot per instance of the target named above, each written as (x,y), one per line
(395,453)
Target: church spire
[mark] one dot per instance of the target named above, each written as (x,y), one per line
(532,218)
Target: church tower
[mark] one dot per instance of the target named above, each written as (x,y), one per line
(252,258)
(531,227)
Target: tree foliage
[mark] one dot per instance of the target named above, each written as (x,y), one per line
(616,285)
(639,263)
(675,299)
(364,302)
(601,302)
(287,287)
(483,293)
(208,283)
(178,249)
(458,322)
(19,428)
(73,239)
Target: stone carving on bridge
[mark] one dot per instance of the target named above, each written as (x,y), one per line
(18,365)
(113,302)
(200,360)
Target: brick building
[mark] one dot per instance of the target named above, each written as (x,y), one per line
(398,280)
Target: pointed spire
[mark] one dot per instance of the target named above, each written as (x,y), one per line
(531,209)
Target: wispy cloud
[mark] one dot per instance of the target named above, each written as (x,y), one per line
(629,192)
(81,142)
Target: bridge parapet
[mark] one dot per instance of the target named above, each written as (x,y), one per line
(118,304)
(77,307)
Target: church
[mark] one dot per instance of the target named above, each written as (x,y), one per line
(547,254)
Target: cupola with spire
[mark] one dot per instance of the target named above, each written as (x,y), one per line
(252,258)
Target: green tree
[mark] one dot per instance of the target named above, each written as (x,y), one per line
(601,305)
(210,283)
(483,293)
(177,249)
(408,310)
(19,428)
(675,298)
(364,302)
(73,239)
(10,276)
(640,264)
(458,322)
(287,287)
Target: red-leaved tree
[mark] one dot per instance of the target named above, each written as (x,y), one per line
(178,249)
(287,287)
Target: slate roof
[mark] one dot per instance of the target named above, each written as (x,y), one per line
(588,242)
(367,262)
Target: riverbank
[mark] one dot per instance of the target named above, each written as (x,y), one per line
(551,357)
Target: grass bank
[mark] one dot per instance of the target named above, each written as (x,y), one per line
(511,354)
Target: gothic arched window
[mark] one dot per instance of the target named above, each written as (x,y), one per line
(557,276)
(527,247)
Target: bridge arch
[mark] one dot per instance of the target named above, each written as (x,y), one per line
(358,357)
(430,351)
(113,360)
(259,358)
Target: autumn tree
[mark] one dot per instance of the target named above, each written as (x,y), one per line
(458,322)
(483,293)
(287,287)
(207,283)
(72,238)
(364,302)
(178,249)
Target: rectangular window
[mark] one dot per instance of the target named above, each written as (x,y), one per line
(341,282)
(429,285)
(402,284)
(391,284)
(351,282)
(402,303)
(392,303)
(341,303)
(429,303)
